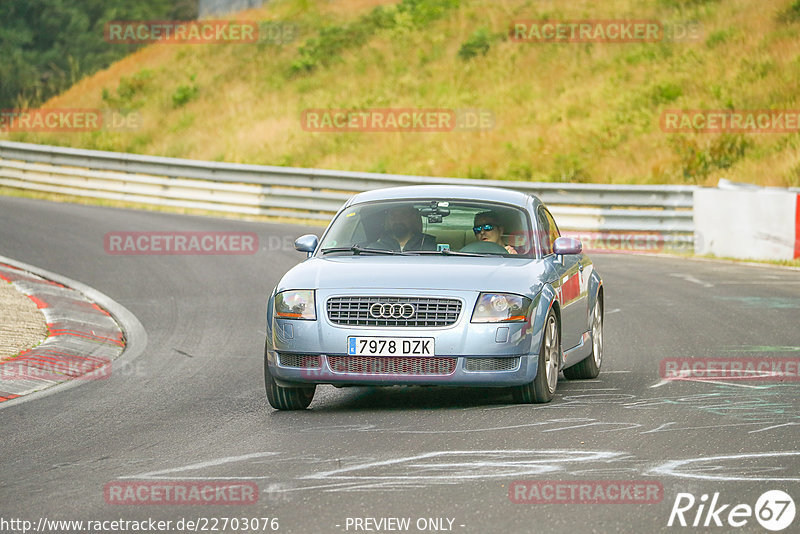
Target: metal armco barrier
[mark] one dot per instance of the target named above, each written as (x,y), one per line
(316,193)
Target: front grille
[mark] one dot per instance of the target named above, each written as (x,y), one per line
(302,361)
(430,312)
(491,364)
(392,365)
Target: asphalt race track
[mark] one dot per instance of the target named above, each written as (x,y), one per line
(193,406)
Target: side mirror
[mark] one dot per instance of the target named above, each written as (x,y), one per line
(307,243)
(567,245)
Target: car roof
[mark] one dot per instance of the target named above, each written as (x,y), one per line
(450,192)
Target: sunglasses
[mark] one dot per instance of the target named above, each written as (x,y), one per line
(486,227)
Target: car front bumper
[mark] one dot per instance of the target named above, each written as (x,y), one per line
(509,351)
(524,372)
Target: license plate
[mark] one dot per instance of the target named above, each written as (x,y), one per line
(390,346)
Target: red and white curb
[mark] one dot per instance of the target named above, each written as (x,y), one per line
(83,338)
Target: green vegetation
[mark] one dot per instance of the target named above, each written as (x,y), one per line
(791,13)
(577,112)
(478,43)
(48,45)
(326,46)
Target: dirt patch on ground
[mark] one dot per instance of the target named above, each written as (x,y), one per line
(22,325)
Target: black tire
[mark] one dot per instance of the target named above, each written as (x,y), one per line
(286,398)
(590,366)
(541,389)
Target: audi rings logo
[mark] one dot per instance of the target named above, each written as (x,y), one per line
(392,311)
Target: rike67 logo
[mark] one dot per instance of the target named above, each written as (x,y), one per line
(774,510)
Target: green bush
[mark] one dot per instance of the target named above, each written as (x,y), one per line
(477,43)
(791,13)
(665,93)
(423,12)
(130,91)
(333,40)
(697,163)
(719,37)
(184,93)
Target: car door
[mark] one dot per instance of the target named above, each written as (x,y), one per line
(570,285)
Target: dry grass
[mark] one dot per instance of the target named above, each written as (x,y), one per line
(564,112)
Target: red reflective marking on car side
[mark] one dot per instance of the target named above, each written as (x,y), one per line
(797,229)
(571,289)
(39,302)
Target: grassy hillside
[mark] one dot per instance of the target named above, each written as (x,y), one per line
(574,112)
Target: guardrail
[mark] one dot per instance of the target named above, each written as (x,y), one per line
(315,193)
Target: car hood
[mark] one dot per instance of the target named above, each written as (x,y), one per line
(417,272)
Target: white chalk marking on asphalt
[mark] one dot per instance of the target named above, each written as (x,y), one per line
(470,469)
(475,429)
(726,383)
(202,465)
(629,426)
(683,374)
(773,426)
(615,310)
(692,279)
(672,468)
(760,282)
(664,427)
(590,389)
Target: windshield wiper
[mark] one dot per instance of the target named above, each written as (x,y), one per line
(447,252)
(356,249)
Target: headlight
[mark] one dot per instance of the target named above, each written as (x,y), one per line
(501,308)
(295,304)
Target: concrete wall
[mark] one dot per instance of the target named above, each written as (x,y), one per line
(754,223)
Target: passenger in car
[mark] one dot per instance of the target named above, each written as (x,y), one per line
(487,227)
(403,231)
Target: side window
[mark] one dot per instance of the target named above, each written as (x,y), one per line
(553,228)
(543,233)
(548,231)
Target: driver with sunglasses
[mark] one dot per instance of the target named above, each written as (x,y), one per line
(487,228)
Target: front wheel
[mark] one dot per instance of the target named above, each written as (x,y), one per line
(590,367)
(286,398)
(544,385)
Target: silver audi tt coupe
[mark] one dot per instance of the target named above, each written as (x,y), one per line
(435,285)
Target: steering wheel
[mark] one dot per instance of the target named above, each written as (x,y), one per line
(485,247)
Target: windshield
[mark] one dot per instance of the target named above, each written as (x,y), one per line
(431,226)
